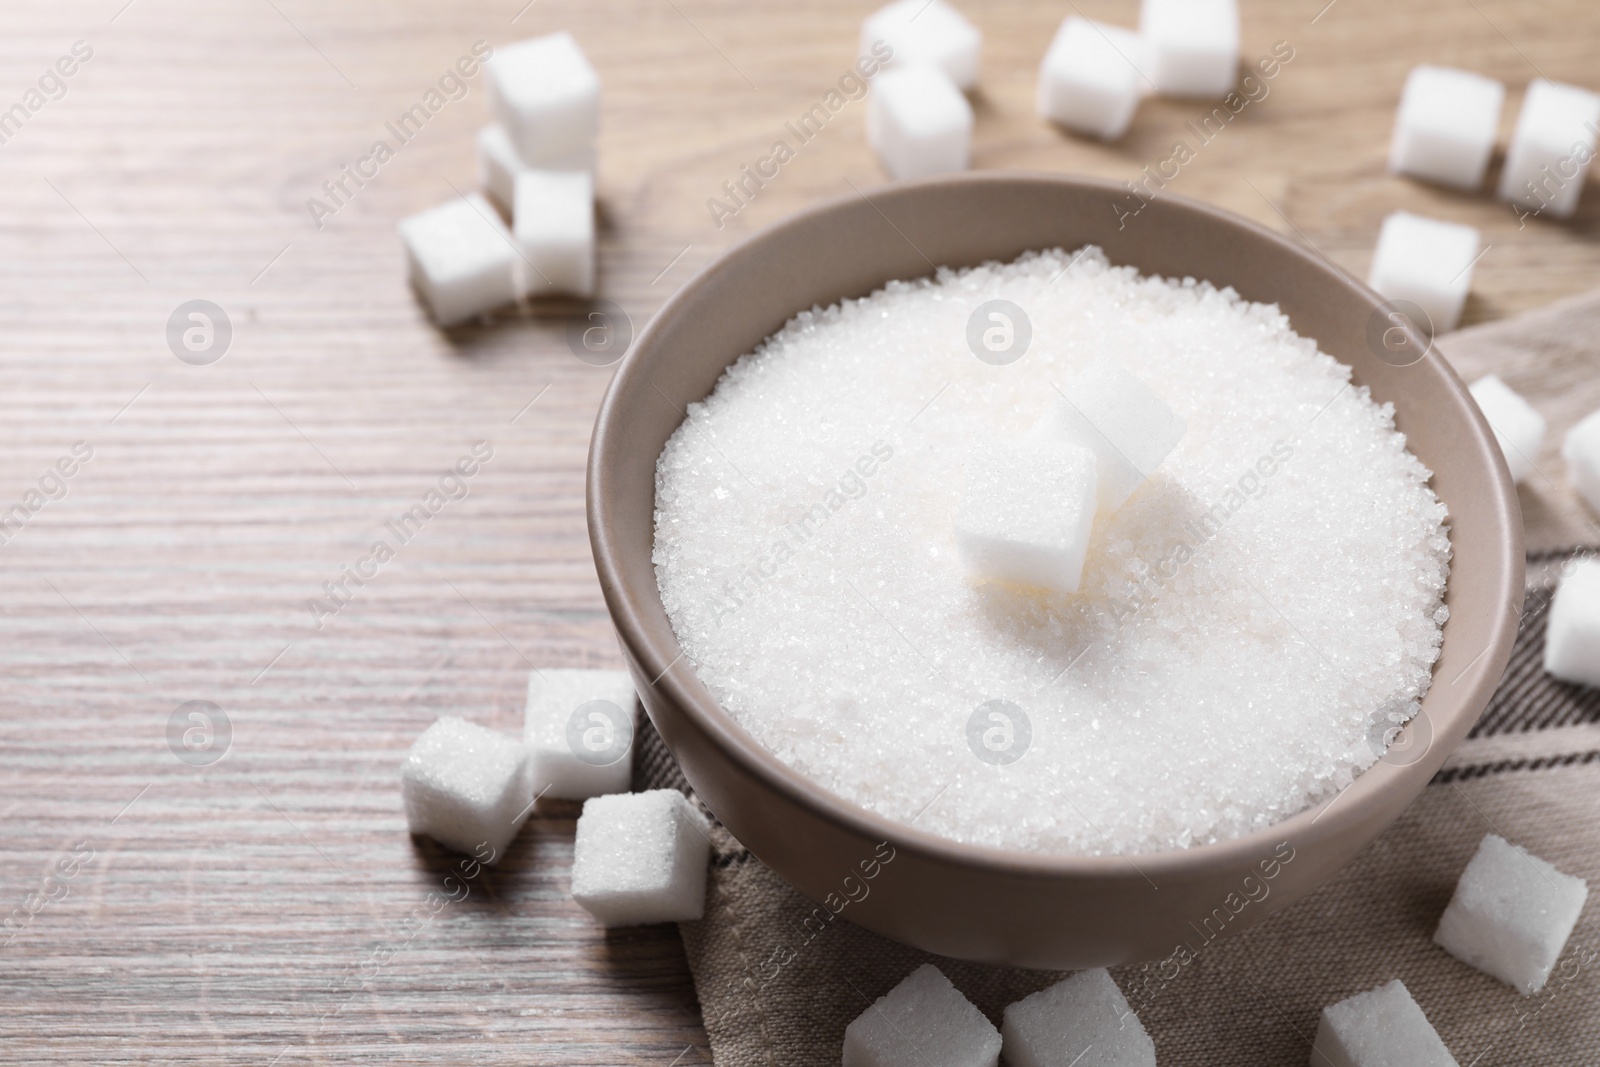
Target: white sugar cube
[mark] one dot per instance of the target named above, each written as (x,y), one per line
(641,858)
(579,729)
(1518,428)
(466,787)
(1511,914)
(1551,148)
(546,95)
(922,1022)
(1121,420)
(1092,78)
(1084,1020)
(499,164)
(554,226)
(918,122)
(1427,262)
(1445,128)
(1572,634)
(1380,1028)
(461,259)
(1581,450)
(1026,513)
(1193,45)
(927,32)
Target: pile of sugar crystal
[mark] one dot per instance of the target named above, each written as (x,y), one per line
(1236,641)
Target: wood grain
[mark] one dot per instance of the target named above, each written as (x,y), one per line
(235,913)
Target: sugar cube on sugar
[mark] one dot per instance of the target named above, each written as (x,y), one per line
(499,164)
(554,227)
(1092,78)
(1511,914)
(922,1022)
(461,259)
(1426,262)
(641,858)
(466,787)
(1551,148)
(918,122)
(1581,450)
(1108,410)
(1572,629)
(1083,1021)
(1445,127)
(1026,513)
(1518,428)
(1380,1028)
(1193,45)
(578,727)
(929,32)
(547,96)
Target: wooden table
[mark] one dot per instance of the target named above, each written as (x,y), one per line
(255,910)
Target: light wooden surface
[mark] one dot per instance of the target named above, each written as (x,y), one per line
(235,913)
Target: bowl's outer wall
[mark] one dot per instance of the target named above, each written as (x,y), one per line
(967,901)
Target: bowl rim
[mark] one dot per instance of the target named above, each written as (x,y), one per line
(1360,802)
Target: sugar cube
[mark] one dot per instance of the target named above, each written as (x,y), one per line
(1511,914)
(922,1022)
(461,259)
(1572,634)
(1084,1020)
(1427,262)
(579,729)
(1551,148)
(1026,513)
(554,227)
(925,32)
(499,164)
(1092,78)
(1121,420)
(1581,450)
(1445,128)
(1193,45)
(1383,1027)
(918,122)
(1518,428)
(546,95)
(641,858)
(466,787)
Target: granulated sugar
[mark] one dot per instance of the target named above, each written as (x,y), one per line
(1250,626)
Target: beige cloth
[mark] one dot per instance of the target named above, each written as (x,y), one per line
(775,996)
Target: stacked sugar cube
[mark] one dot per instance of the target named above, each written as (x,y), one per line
(918,119)
(536,163)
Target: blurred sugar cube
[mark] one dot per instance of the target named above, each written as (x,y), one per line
(1519,429)
(461,259)
(918,122)
(1427,262)
(1380,1028)
(579,727)
(499,164)
(1572,634)
(1193,45)
(922,1022)
(1445,128)
(1026,513)
(553,221)
(466,787)
(547,97)
(1091,79)
(641,858)
(925,32)
(1062,1024)
(1581,450)
(1511,914)
(1119,418)
(1551,148)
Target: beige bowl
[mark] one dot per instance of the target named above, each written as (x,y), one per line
(982,903)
